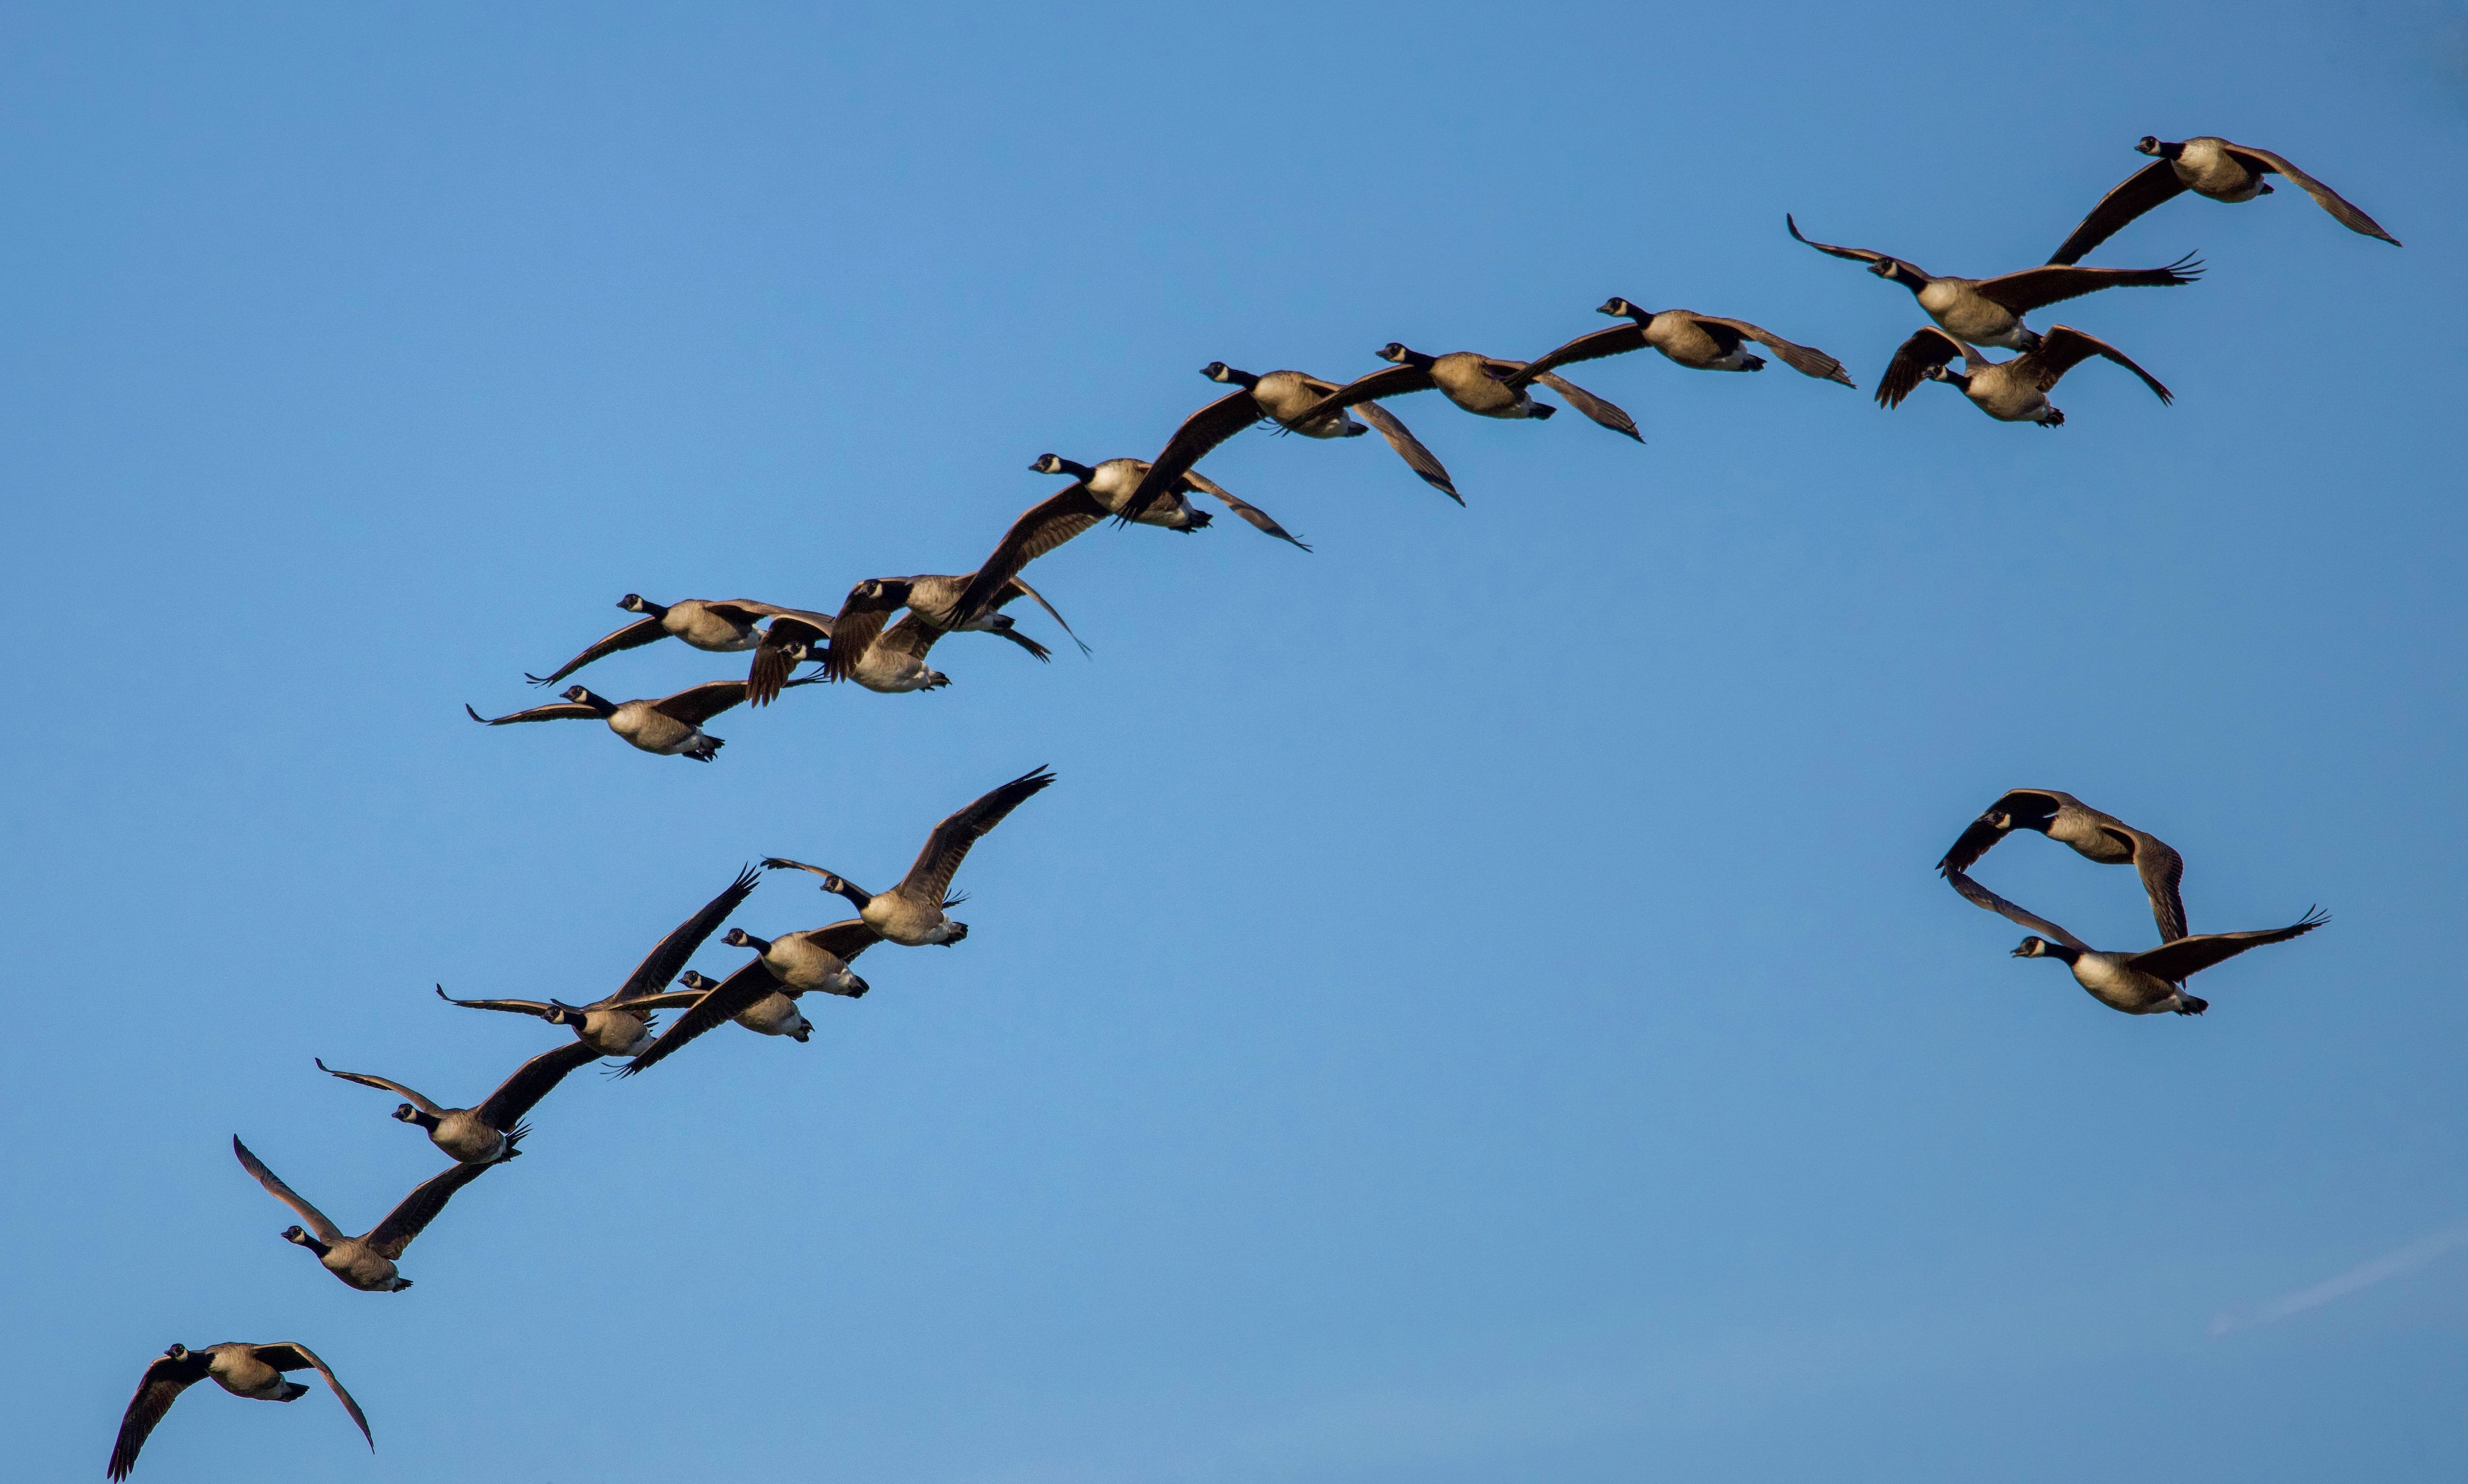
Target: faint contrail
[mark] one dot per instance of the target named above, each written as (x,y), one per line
(2365,1275)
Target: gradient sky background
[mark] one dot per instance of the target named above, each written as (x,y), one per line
(1476,1005)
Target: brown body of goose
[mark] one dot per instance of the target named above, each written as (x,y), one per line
(671,726)
(913,913)
(716,626)
(488,1133)
(2147,983)
(366,1262)
(1284,398)
(852,645)
(1484,385)
(621,1024)
(763,994)
(1700,342)
(2010,391)
(1989,310)
(2091,834)
(2207,166)
(244,1370)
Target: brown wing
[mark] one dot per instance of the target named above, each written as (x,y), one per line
(700,704)
(1925,350)
(559,711)
(633,636)
(2162,870)
(911,636)
(2146,188)
(519,1007)
(292,1355)
(1387,381)
(2052,284)
(1040,528)
(787,642)
(2342,211)
(1993,821)
(531,1081)
(2064,348)
(310,1216)
(418,1209)
(1018,587)
(1259,518)
(1855,253)
(1807,360)
(1981,897)
(1593,345)
(384,1085)
(661,965)
(929,878)
(1410,449)
(717,1006)
(1607,413)
(156,1390)
(1203,430)
(2174,961)
(858,622)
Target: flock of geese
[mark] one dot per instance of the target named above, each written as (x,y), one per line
(859,643)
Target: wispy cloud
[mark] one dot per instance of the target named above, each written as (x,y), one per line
(2365,1275)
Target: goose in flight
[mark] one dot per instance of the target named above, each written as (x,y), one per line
(1989,310)
(763,994)
(1280,397)
(488,1133)
(366,1263)
(2010,391)
(1484,385)
(2139,984)
(2206,165)
(913,913)
(718,626)
(2091,834)
(852,646)
(671,726)
(620,1025)
(1700,342)
(243,1369)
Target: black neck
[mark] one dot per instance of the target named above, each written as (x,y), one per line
(2065,951)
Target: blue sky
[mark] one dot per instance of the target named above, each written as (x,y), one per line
(1476,1005)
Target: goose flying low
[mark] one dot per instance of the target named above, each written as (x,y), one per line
(716,626)
(366,1262)
(763,994)
(1484,385)
(671,726)
(2091,834)
(1700,342)
(488,1133)
(914,913)
(2210,166)
(2010,391)
(2138,984)
(1280,398)
(244,1370)
(852,645)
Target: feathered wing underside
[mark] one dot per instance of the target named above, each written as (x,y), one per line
(1409,449)
(2064,348)
(697,705)
(1926,351)
(156,1390)
(417,1210)
(670,954)
(633,636)
(2034,289)
(531,1082)
(292,1355)
(1201,432)
(1593,345)
(1601,409)
(1040,529)
(1981,896)
(385,1084)
(310,1216)
(1371,386)
(519,1007)
(913,636)
(1021,586)
(2149,186)
(556,711)
(717,1006)
(2174,961)
(1807,360)
(2162,871)
(929,878)
(1259,519)
(2341,210)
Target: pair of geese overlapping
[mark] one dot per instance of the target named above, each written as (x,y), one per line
(855,644)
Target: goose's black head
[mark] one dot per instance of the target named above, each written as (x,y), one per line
(2151,143)
(560,1013)
(636,603)
(178,1353)
(405,1112)
(881,592)
(1057,463)
(740,938)
(1615,306)
(695,981)
(581,697)
(299,1237)
(858,986)
(1218,371)
(1395,352)
(2037,946)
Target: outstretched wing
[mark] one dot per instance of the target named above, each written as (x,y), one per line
(1855,253)
(2339,206)
(292,1355)
(1607,413)
(1260,520)
(315,1219)
(702,702)
(2174,961)
(156,1390)
(365,1080)
(661,965)
(2146,188)
(929,878)
(1991,825)
(1372,386)
(633,636)
(531,1082)
(1807,360)
(556,711)
(1201,432)
(1410,449)
(521,1007)
(1021,586)
(1913,359)
(2162,870)
(718,1005)
(418,1209)
(2064,348)
(1593,345)
(1040,529)
(2054,284)
(1981,896)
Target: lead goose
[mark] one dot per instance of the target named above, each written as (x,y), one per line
(1989,310)
(1281,398)
(243,1369)
(620,1025)
(763,994)
(2211,166)
(2091,834)
(2138,984)
(488,1133)
(2010,391)
(1700,342)
(718,626)
(671,726)
(1483,385)
(367,1262)
(913,913)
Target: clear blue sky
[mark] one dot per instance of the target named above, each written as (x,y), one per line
(1475,1006)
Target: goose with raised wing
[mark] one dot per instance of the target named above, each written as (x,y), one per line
(488,1133)
(2138,984)
(671,726)
(1700,342)
(1989,310)
(2209,166)
(367,1262)
(2091,834)
(718,626)
(850,644)
(914,913)
(2010,391)
(243,1369)
(763,994)
(621,1024)
(1484,385)
(1280,398)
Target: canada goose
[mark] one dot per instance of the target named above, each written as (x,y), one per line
(1483,385)
(850,644)
(1279,397)
(488,1133)
(2206,165)
(2139,984)
(1989,310)
(243,1369)
(912,913)
(721,627)
(365,1263)
(621,1024)
(1700,342)
(763,994)
(2093,835)
(671,726)
(2010,391)
(1094,493)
